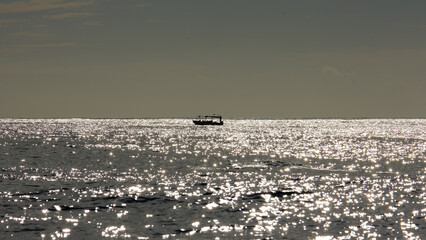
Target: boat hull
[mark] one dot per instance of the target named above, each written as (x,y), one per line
(201,122)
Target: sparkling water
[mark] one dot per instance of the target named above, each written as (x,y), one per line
(247,179)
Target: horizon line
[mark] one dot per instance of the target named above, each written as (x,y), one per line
(230,118)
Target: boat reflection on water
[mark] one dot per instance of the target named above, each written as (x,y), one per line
(208,120)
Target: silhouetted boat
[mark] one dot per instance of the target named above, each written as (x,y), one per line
(208,120)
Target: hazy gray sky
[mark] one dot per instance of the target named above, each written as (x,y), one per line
(182,58)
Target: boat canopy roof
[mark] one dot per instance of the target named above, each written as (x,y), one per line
(210,116)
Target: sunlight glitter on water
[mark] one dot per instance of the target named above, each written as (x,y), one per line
(313,179)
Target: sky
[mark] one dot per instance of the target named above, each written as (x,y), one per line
(237,58)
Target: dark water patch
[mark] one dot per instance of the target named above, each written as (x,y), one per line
(233,210)
(107,198)
(42,192)
(138,199)
(288,193)
(30,230)
(65,208)
(170,222)
(279,194)
(276,163)
(349,183)
(91,182)
(254,196)
(50,200)
(31,185)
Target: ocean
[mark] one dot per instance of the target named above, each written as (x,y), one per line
(247,179)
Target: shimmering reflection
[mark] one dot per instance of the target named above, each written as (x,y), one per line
(166,178)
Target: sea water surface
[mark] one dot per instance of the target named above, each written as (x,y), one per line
(248,179)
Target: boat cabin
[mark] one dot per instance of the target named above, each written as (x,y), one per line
(208,120)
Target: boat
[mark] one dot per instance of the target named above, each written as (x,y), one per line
(208,120)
